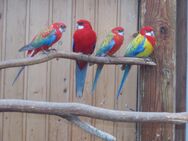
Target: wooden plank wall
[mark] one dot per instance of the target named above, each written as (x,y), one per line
(158,84)
(20,20)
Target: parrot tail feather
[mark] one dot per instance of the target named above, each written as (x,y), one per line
(18,74)
(80,80)
(26,47)
(97,74)
(123,79)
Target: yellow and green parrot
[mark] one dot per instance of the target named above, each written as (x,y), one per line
(110,45)
(141,46)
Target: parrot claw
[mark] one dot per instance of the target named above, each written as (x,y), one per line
(113,56)
(52,50)
(122,67)
(148,59)
(45,52)
(128,108)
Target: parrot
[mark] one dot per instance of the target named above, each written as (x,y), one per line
(110,45)
(84,41)
(141,46)
(42,42)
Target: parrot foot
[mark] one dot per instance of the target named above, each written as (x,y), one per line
(128,108)
(113,56)
(45,52)
(52,50)
(123,67)
(148,59)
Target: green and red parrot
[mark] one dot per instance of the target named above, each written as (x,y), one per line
(109,46)
(141,46)
(42,42)
(84,41)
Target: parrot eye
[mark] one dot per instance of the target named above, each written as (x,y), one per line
(81,23)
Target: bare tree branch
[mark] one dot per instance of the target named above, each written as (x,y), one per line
(75,56)
(88,128)
(52,108)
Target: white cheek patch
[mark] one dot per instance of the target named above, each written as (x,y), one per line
(80,26)
(148,34)
(121,33)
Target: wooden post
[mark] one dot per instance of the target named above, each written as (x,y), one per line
(181,64)
(158,83)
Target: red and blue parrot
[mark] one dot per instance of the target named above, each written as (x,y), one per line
(141,46)
(84,41)
(42,42)
(109,46)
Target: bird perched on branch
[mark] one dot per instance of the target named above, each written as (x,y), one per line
(109,46)
(42,42)
(84,40)
(141,46)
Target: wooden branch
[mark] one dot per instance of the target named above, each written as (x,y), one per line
(88,128)
(52,108)
(74,56)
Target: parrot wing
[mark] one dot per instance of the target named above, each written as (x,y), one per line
(136,46)
(45,38)
(106,45)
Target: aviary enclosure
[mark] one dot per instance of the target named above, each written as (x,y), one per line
(160,89)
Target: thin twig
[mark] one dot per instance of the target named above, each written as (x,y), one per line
(52,108)
(74,56)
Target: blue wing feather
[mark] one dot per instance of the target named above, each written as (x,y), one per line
(37,43)
(105,49)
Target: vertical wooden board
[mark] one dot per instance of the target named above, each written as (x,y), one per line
(105,91)
(128,15)
(37,74)
(181,62)
(158,83)
(2,41)
(60,72)
(14,39)
(84,9)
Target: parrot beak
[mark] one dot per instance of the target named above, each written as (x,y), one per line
(152,33)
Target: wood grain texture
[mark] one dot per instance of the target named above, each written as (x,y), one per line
(37,75)
(126,131)
(54,81)
(14,36)
(2,42)
(181,62)
(107,11)
(84,9)
(158,84)
(77,109)
(59,129)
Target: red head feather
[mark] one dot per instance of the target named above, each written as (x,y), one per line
(148,32)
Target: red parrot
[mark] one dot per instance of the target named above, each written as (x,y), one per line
(84,40)
(109,46)
(42,42)
(141,46)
